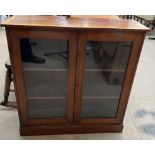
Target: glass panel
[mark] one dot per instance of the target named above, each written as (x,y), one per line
(104,71)
(45,76)
(98,108)
(46,108)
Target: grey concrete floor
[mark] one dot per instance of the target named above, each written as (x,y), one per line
(139,121)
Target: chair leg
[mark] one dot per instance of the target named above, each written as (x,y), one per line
(153,26)
(8,80)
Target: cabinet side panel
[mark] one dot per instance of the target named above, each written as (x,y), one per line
(130,74)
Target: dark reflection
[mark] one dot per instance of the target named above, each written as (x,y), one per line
(112,58)
(54,52)
(98,108)
(47,108)
(45,84)
(105,67)
(45,76)
(27,54)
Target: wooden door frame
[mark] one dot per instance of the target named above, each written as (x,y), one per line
(137,38)
(13,36)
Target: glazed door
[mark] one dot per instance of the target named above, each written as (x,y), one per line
(102,64)
(44,68)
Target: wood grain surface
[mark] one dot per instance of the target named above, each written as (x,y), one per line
(74,22)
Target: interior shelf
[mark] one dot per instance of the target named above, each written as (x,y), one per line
(95,84)
(47,98)
(104,70)
(99,108)
(100,97)
(44,70)
(47,108)
(45,84)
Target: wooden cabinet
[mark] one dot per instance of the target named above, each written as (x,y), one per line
(72,75)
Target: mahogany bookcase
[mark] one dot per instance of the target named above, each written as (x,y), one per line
(84,83)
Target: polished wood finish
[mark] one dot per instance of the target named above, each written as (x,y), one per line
(74,23)
(77,30)
(130,73)
(96,16)
(78,129)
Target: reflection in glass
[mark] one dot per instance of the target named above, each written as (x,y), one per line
(104,72)
(45,76)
